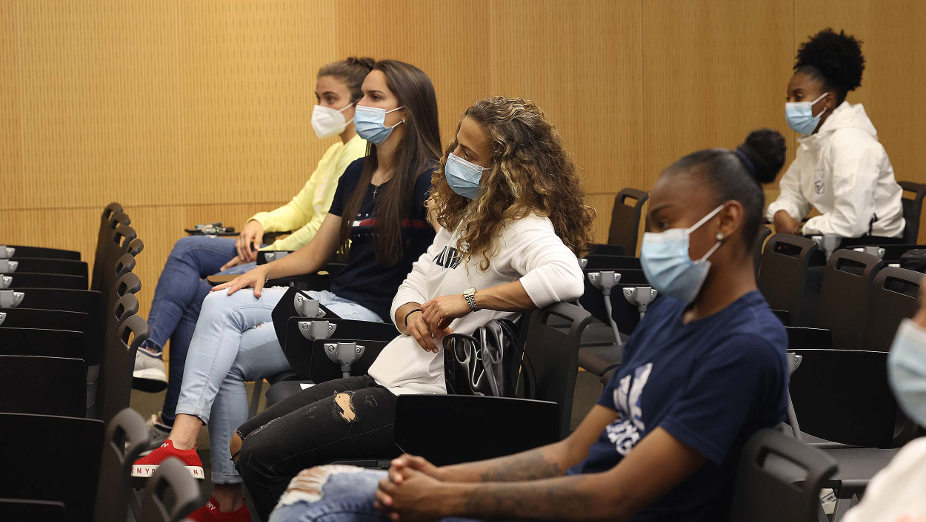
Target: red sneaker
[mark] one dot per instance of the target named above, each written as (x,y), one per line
(211,512)
(147,465)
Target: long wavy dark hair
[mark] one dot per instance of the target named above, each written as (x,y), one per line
(418,151)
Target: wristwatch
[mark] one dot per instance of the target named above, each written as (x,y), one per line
(470,295)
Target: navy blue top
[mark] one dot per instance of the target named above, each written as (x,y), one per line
(711,384)
(364,280)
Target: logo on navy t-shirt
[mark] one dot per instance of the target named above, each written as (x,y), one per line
(625,432)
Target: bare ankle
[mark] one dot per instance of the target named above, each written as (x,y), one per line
(229,496)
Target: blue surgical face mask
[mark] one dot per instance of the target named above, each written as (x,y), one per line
(463,176)
(667,265)
(369,122)
(800,116)
(906,370)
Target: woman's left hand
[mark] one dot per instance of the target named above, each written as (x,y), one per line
(440,311)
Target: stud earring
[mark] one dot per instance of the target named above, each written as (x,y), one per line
(719,236)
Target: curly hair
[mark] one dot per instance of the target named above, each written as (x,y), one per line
(835,59)
(530,173)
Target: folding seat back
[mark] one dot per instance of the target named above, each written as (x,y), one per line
(7,251)
(108,222)
(115,384)
(42,341)
(893,296)
(783,268)
(550,363)
(912,202)
(625,219)
(779,478)
(43,266)
(843,396)
(40,280)
(843,305)
(171,493)
(55,459)
(126,438)
(43,385)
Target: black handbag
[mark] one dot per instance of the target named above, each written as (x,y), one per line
(485,363)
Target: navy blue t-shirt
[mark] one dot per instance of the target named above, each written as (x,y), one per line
(364,279)
(710,383)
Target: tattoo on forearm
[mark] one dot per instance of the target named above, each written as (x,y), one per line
(531,465)
(550,500)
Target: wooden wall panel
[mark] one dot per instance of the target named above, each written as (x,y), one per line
(98,88)
(580,63)
(197,111)
(248,82)
(448,40)
(713,71)
(10,106)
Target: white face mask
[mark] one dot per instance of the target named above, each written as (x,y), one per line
(328,122)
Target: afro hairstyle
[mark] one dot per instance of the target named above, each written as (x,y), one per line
(834,58)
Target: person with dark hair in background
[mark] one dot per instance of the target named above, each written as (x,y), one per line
(513,220)
(841,168)
(702,372)
(379,210)
(181,288)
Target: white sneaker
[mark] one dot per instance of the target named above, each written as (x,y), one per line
(149,374)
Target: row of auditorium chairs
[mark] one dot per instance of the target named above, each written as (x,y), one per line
(58,341)
(856,296)
(67,351)
(778,478)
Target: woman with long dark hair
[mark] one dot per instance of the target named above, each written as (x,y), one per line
(378,210)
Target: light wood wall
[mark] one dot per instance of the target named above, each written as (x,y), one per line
(196,111)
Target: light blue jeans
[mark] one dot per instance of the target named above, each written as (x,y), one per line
(178,299)
(333,494)
(234,342)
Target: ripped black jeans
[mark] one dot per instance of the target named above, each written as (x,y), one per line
(350,418)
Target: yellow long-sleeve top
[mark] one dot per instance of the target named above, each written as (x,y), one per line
(308,208)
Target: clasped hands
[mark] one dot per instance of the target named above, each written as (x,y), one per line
(433,321)
(412,490)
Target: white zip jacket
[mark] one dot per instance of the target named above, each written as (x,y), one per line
(844,172)
(529,251)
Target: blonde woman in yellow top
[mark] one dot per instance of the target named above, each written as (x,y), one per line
(182,288)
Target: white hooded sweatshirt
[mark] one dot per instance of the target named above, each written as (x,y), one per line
(844,172)
(528,251)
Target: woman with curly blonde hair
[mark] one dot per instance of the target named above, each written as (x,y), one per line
(513,220)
